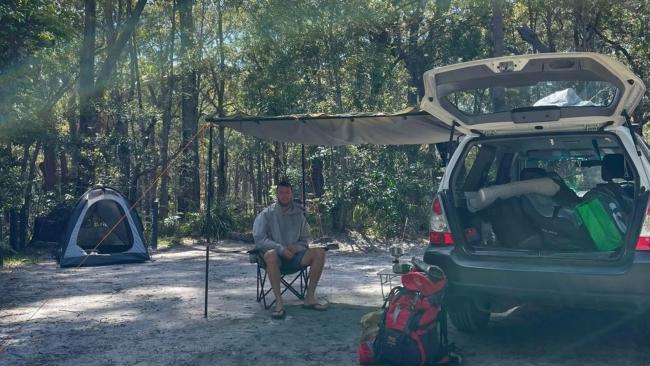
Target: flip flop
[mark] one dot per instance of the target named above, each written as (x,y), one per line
(278,314)
(316,306)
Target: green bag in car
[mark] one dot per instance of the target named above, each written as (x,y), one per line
(600,224)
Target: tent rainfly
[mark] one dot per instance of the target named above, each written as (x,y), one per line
(102,230)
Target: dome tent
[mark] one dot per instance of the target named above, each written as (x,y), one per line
(102,230)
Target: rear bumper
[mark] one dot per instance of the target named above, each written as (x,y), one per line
(598,287)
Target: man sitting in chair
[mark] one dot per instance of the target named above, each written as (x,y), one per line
(281,233)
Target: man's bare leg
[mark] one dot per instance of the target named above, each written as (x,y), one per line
(273,270)
(315,259)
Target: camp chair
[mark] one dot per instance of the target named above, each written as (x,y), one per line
(287,279)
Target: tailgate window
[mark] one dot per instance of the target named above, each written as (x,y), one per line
(488,100)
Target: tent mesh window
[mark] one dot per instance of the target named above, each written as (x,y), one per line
(100,218)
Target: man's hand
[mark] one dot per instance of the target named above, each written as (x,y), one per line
(288,252)
(294,248)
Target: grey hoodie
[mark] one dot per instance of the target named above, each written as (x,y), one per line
(276,227)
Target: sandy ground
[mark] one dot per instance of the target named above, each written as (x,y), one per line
(152,314)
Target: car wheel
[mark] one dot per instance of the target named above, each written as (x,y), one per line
(466,315)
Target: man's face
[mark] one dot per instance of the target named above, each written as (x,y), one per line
(284,195)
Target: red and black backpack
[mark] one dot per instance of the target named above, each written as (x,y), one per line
(413,329)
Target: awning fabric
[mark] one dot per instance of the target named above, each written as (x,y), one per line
(412,127)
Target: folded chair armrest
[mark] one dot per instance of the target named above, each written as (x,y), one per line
(255,256)
(332,246)
(328,247)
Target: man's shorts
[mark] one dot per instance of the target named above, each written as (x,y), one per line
(293,264)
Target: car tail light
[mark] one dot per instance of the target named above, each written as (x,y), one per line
(439,233)
(644,239)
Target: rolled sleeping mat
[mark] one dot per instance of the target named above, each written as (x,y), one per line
(484,197)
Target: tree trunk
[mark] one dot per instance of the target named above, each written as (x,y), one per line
(259,180)
(341,208)
(237,182)
(498,49)
(63,172)
(498,45)
(414,57)
(109,22)
(586,16)
(548,25)
(246,182)
(123,146)
(83,165)
(13,229)
(222,187)
(253,184)
(136,87)
(27,197)
(317,179)
(113,53)
(87,68)
(136,91)
(25,161)
(336,78)
(277,163)
(334,66)
(167,121)
(68,176)
(49,168)
(189,184)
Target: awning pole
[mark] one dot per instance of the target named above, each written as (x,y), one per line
(208,223)
(304,200)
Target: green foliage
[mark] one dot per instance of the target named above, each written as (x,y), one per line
(380,187)
(196,224)
(279,57)
(29,33)
(14,259)
(28,26)
(170,226)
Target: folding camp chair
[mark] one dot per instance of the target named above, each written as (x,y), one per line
(287,280)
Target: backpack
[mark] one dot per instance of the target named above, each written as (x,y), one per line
(412,329)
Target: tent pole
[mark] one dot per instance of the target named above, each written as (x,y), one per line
(304,200)
(208,223)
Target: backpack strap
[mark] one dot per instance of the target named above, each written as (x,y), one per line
(448,353)
(444,331)
(391,294)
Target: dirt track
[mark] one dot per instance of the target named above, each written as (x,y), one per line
(152,314)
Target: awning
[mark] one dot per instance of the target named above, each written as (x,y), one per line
(412,127)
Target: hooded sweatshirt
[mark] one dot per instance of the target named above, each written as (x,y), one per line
(277,227)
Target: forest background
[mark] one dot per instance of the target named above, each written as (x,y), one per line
(116,92)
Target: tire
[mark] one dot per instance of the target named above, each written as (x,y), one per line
(466,316)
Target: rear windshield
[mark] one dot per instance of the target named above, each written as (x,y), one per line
(584,93)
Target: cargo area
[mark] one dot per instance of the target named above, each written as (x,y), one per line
(545,194)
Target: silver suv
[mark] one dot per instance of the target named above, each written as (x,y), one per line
(545,197)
